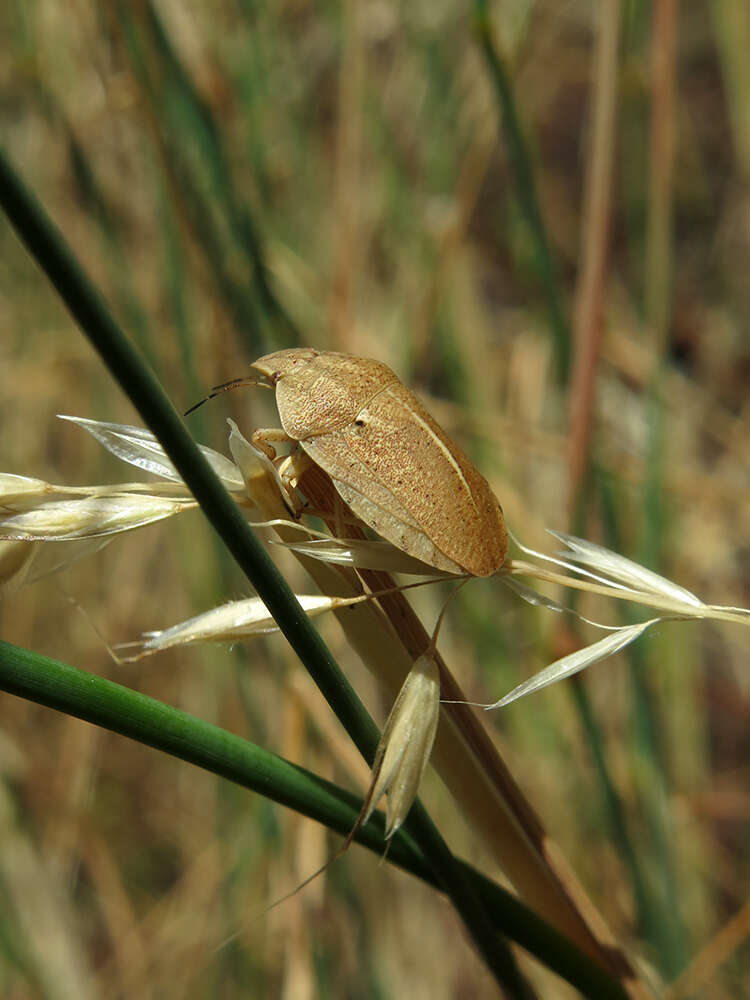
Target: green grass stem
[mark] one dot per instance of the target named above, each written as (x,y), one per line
(148,721)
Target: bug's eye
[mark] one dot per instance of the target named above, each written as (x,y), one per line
(359,422)
(276,376)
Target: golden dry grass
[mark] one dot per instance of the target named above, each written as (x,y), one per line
(364,142)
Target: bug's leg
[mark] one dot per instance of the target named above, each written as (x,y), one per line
(262,437)
(294,466)
(290,471)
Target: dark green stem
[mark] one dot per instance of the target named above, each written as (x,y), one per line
(152,723)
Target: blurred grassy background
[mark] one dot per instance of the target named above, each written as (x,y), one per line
(242,176)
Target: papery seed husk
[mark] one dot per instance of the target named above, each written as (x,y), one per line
(138,446)
(406,744)
(89,517)
(235,620)
(575,662)
(14,488)
(631,573)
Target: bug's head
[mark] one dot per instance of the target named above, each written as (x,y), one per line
(275,366)
(234,383)
(271,368)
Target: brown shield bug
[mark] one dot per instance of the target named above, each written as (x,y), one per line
(389,460)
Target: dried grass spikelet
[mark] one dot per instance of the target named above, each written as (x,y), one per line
(90,517)
(234,621)
(406,744)
(408,736)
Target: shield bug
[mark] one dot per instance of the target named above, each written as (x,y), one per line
(389,460)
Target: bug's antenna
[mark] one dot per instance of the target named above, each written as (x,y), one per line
(234,383)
